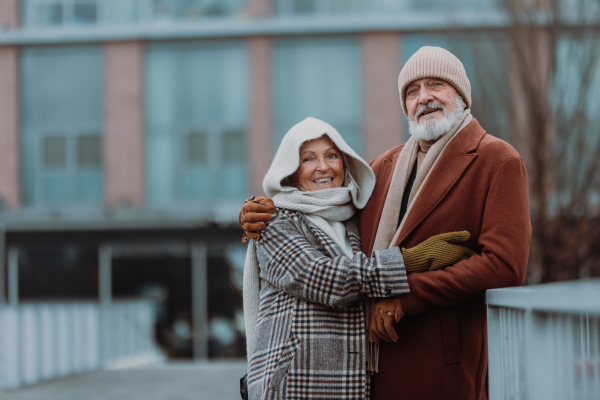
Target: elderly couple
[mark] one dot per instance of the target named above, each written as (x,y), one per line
(368,281)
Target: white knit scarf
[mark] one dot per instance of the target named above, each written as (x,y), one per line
(321,207)
(333,205)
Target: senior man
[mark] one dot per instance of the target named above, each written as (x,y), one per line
(449,176)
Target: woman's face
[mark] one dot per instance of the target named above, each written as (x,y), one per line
(321,165)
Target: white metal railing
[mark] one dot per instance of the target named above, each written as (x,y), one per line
(44,341)
(544,342)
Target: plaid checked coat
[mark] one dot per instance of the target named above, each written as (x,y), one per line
(310,338)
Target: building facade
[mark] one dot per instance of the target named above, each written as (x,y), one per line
(131,131)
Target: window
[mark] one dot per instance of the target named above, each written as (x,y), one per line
(197,149)
(380,7)
(194,9)
(196,120)
(61,13)
(61,141)
(319,78)
(50,13)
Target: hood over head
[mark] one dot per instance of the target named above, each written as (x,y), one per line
(359,177)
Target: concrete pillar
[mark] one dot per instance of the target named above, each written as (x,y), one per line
(383,128)
(9,125)
(199,258)
(260,137)
(105,274)
(124,132)
(13,276)
(9,14)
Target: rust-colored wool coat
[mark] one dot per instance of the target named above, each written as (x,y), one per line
(479,184)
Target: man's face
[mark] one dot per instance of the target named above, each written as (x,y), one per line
(423,91)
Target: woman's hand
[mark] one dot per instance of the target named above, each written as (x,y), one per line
(253,215)
(384,316)
(437,252)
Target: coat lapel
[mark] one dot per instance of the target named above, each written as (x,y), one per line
(387,172)
(453,162)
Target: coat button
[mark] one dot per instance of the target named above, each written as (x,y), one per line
(387,291)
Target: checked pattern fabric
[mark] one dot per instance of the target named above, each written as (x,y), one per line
(311,331)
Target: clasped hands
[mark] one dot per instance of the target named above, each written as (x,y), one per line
(384,316)
(437,252)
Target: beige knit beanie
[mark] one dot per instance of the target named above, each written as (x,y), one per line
(434,62)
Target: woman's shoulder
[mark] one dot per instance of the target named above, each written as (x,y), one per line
(284,216)
(285,220)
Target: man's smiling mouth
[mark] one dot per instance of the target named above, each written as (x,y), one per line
(429,111)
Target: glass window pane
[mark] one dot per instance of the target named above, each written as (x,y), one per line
(304,6)
(197,149)
(196,118)
(319,78)
(61,94)
(343,6)
(55,189)
(89,151)
(88,188)
(85,13)
(50,14)
(55,152)
(233,147)
(62,85)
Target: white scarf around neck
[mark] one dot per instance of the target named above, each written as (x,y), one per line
(320,207)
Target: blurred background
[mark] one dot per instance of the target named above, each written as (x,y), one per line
(131,131)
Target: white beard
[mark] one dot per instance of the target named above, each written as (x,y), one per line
(431,129)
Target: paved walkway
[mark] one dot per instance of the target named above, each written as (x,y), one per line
(165,381)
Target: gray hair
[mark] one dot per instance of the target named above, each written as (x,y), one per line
(431,129)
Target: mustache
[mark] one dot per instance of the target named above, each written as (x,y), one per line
(431,104)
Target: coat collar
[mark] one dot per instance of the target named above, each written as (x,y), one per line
(453,162)
(353,230)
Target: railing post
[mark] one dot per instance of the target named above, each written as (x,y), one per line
(105,274)
(105,299)
(494,352)
(199,300)
(3,299)
(13,276)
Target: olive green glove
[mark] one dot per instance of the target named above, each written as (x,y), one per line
(437,252)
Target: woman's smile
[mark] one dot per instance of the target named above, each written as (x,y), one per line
(321,165)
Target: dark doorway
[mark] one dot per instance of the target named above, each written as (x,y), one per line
(226,339)
(63,272)
(167,281)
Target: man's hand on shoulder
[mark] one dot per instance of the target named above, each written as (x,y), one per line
(384,316)
(253,215)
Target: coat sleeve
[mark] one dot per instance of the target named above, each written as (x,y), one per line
(289,262)
(504,242)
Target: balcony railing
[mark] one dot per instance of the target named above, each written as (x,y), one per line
(40,342)
(544,342)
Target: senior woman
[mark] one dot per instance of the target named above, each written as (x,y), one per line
(306,330)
